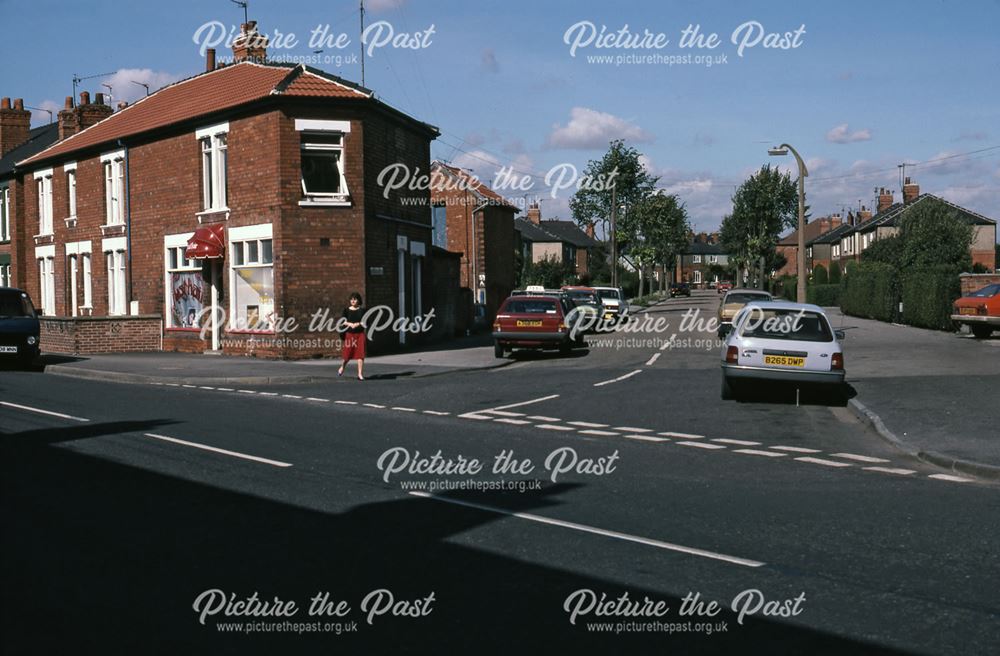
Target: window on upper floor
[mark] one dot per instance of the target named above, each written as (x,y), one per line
(696,259)
(114,190)
(214,171)
(44,186)
(71,193)
(5,214)
(323,178)
(439,226)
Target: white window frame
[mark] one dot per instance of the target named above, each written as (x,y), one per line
(178,245)
(323,128)
(46,257)
(69,170)
(114,187)
(697,276)
(713,259)
(78,267)
(239,238)
(43,182)
(696,259)
(213,143)
(114,250)
(5,275)
(5,214)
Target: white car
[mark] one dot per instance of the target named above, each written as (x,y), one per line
(782,342)
(615,305)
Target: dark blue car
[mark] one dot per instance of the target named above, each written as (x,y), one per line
(18,327)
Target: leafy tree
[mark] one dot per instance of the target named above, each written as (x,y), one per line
(764,206)
(931,234)
(888,250)
(834,273)
(548,272)
(656,231)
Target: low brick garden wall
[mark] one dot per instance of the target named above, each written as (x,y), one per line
(89,335)
(974,281)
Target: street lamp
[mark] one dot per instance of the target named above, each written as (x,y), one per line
(780,151)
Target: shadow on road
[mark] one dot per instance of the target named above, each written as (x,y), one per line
(101,557)
(785,394)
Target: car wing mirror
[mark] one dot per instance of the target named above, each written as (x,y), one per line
(840,335)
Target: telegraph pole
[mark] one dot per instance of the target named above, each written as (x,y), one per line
(362,42)
(614,241)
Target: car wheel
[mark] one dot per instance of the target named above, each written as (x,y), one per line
(498,350)
(981,332)
(728,393)
(839,394)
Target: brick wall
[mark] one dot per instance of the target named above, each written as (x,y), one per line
(975,281)
(89,335)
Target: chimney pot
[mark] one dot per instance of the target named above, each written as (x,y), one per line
(69,102)
(84,97)
(210,59)
(99,98)
(19,104)
(4,103)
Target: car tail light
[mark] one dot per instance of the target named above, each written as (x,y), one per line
(733,355)
(837,361)
(981,310)
(496,326)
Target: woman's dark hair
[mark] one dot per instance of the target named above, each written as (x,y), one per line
(357,296)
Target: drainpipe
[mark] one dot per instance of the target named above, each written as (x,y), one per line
(475,253)
(128,224)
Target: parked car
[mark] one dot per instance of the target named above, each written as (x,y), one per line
(734,301)
(18,327)
(679,289)
(534,322)
(615,303)
(589,306)
(980,311)
(723,286)
(782,342)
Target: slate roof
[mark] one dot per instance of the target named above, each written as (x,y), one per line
(474,184)
(554,231)
(831,236)
(38,140)
(704,248)
(207,93)
(891,215)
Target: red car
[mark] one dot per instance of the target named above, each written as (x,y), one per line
(980,311)
(535,322)
(723,287)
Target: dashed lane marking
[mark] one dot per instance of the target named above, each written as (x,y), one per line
(586,424)
(891,470)
(620,378)
(518,405)
(503,413)
(758,452)
(50,413)
(854,456)
(795,449)
(543,418)
(554,427)
(949,477)
(205,387)
(726,440)
(225,389)
(271,394)
(821,461)
(702,445)
(599,433)
(474,415)
(648,438)
(683,436)
(509,420)
(437,413)
(205,447)
(374,405)
(291,396)
(190,386)
(402,409)
(656,356)
(630,429)
(246,391)
(346,402)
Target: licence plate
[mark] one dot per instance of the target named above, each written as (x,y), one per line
(609,315)
(529,324)
(784,360)
(966,310)
(8,349)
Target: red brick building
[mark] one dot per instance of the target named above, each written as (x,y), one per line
(248,192)
(472,219)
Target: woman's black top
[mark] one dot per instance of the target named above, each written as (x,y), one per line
(354,316)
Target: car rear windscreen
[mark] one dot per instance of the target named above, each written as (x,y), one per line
(746,298)
(15,304)
(532,306)
(987,292)
(793,325)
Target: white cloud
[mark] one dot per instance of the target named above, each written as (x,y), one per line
(842,134)
(39,117)
(124,83)
(589,128)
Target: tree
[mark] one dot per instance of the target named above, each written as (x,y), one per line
(820,276)
(656,232)
(548,272)
(621,168)
(888,250)
(931,234)
(764,206)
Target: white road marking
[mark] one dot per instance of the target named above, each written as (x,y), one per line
(828,463)
(246,391)
(597,531)
(586,424)
(757,452)
(541,418)
(599,433)
(725,440)
(42,412)
(291,396)
(206,387)
(683,436)
(475,415)
(648,438)
(949,477)
(666,344)
(346,402)
(518,405)
(795,449)
(620,378)
(656,356)
(436,412)
(852,456)
(509,420)
(702,445)
(374,405)
(402,409)
(313,398)
(225,389)
(554,427)
(190,386)
(891,470)
(273,394)
(172,384)
(630,429)
(503,413)
(235,454)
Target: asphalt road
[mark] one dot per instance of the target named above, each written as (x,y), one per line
(132,501)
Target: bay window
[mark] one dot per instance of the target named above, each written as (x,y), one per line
(251,278)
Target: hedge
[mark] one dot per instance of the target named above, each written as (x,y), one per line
(871,290)
(823,295)
(927,296)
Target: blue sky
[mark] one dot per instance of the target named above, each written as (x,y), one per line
(871,85)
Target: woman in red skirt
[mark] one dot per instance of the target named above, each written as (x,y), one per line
(354,336)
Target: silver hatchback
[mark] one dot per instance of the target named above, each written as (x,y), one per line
(782,342)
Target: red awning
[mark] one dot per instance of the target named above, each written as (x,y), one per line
(208,242)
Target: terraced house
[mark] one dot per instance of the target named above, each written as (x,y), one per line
(206,215)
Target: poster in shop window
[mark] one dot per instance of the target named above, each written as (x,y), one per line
(187,295)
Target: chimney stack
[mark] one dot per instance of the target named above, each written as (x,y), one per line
(835,221)
(210,60)
(79,118)
(15,125)
(884,199)
(535,214)
(250,45)
(590,230)
(864,214)
(910,191)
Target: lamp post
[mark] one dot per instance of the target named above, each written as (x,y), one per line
(782,150)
